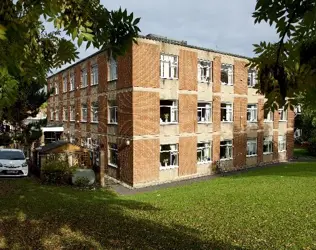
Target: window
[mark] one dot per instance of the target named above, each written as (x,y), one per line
(226,150)
(226,112)
(267,145)
(251,147)
(203,152)
(56,88)
(168,66)
(57,115)
(112,69)
(72,81)
(227,73)
(204,112)
(282,143)
(112,112)
(168,156)
(113,154)
(268,116)
(84,113)
(72,113)
(283,114)
(252,78)
(51,114)
(84,78)
(94,75)
(168,111)
(65,114)
(65,84)
(252,112)
(204,71)
(94,112)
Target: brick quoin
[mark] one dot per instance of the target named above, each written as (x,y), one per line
(124,70)
(125,158)
(240,113)
(260,113)
(187,155)
(216,113)
(239,149)
(216,147)
(275,145)
(260,136)
(290,134)
(217,74)
(187,70)
(187,113)
(125,113)
(276,118)
(102,73)
(240,77)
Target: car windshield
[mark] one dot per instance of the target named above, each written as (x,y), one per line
(11,155)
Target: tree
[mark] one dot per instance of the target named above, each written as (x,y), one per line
(287,69)
(28,52)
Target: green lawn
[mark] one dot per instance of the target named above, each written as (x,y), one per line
(269,208)
(300,152)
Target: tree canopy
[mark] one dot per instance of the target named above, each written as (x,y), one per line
(287,68)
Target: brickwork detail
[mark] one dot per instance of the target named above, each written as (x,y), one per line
(276,118)
(289,144)
(124,70)
(217,74)
(125,113)
(102,72)
(188,70)
(187,113)
(216,113)
(260,136)
(240,78)
(239,149)
(146,155)
(260,113)
(187,155)
(103,114)
(275,145)
(216,148)
(240,113)
(125,159)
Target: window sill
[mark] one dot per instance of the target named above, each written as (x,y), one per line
(112,80)
(94,84)
(251,87)
(65,92)
(252,121)
(204,162)
(94,122)
(83,121)
(282,120)
(227,121)
(112,165)
(168,167)
(72,121)
(267,121)
(249,156)
(169,123)
(165,78)
(112,123)
(206,123)
(226,159)
(71,90)
(226,84)
(282,151)
(84,87)
(267,153)
(204,81)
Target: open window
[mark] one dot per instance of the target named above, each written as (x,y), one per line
(203,152)
(112,118)
(113,154)
(252,112)
(168,111)
(268,116)
(204,112)
(168,156)
(204,71)
(252,147)
(226,150)
(168,66)
(227,74)
(283,115)
(267,145)
(226,112)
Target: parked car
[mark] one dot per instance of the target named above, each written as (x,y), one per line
(13,163)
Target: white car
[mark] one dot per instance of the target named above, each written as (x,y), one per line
(13,163)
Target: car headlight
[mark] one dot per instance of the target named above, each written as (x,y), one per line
(24,165)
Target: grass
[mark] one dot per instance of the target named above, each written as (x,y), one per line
(300,152)
(268,208)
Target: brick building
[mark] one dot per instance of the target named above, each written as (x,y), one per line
(167,111)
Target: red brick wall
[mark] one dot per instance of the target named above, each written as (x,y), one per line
(124,70)
(146,155)
(188,70)
(146,65)
(60,96)
(260,136)
(240,113)
(260,113)
(216,147)
(187,155)
(276,117)
(217,74)
(240,78)
(125,158)
(289,144)
(187,113)
(239,149)
(102,72)
(275,145)
(290,118)
(77,96)
(146,113)
(125,113)
(103,114)
(216,113)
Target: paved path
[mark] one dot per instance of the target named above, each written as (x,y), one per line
(122,190)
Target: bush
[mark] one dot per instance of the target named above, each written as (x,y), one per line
(312,146)
(56,171)
(82,182)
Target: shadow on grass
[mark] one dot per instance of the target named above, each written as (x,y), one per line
(43,217)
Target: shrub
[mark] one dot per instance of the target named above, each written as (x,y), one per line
(56,171)
(81,182)
(312,146)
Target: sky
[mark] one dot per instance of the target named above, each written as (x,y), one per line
(224,25)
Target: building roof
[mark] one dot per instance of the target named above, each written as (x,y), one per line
(51,146)
(159,39)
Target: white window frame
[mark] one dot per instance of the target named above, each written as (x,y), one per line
(84,112)
(228,144)
(65,113)
(112,69)
(84,78)
(252,78)
(56,115)
(113,150)
(284,113)
(252,147)
(282,143)
(112,106)
(94,75)
(269,117)
(173,113)
(65,84)
(252,110)
(72,113)
(72,81)
(173,151)
(205,149)
(94,112)
(207,110)
(268,141)
(205,71)
(52,113)
(169,66)
(229,112)
(56,88)
(229,68)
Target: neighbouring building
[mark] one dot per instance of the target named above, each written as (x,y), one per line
(167,111)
